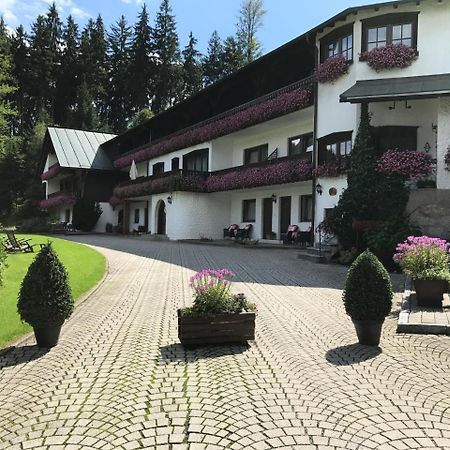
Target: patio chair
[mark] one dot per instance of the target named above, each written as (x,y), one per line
(291,236)
(14,245)
(231,231)
(244,233)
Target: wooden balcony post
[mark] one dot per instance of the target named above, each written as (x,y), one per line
(126,218)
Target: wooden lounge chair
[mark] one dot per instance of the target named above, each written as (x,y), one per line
(14,245)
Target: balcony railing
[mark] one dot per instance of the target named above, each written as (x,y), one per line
(278,103)
(284,170)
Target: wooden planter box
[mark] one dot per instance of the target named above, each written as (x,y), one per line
(218,329)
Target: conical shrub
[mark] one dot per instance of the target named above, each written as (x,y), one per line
(368,289)
(45,297)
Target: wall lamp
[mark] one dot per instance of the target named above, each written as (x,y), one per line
(319,188)
(427,147)
(274,198)
(169,200)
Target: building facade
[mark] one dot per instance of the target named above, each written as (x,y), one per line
(269,145)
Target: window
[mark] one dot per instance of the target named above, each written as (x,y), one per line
(390,29)
(306,203)
(137,214)
(256,154)
(196,161)
(338,42)
(175,163)
(335,147)
(158,168)
(301,144)
(248,210)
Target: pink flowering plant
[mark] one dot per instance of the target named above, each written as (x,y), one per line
(253,114)
(391,56)
(331,69)
(212,294)
(410,164)
(52,171)
(424,258)
(332,169)
(57,200)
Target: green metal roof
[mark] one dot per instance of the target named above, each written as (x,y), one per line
(78,149)
(427,86)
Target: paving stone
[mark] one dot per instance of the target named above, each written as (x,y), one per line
(120,379)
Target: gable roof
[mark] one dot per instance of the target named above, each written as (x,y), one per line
(78,149)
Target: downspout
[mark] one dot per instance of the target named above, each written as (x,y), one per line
(315,151)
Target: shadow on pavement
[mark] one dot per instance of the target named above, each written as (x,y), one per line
(13,356)
(176,352)
(351,354)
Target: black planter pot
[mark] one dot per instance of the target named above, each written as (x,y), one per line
(47,337)
(368,331)
(430,293)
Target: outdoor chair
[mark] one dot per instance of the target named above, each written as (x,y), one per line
(15,245)
(292,235)
(231,231)
(244,233)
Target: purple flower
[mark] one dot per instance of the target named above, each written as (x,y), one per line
(392,56)
(53,170)
(57,200)
(331,69)
(229,122)
(409,164)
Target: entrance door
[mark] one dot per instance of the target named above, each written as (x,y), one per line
(285,213)
(267,218)
(162,218)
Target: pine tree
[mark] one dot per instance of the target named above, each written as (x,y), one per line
(20,52)
(250,20)
(44,60)
(213,64)
(168,67)
(141,63)
(118,90)
(85,116)
(192,70)
(93,66)
(69,74)
(233,56)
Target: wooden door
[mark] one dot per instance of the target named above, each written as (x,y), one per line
(267,217)
(162,218)
(285,213)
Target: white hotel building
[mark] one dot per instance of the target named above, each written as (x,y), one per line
(242,151)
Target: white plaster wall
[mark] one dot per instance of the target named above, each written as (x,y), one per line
(443,175)
(193,215)
(141,206)
(294,190)
(167,159)
(53,185)
(51,159)
(422,113)
(109,215)
(326,200)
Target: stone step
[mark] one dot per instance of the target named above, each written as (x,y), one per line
(317,251)
(314,258)
(158,237)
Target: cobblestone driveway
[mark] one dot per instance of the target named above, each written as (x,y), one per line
(120,380)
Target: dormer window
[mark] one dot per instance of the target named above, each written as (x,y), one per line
(390,29)
(338,42)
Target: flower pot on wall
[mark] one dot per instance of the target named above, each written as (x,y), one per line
(368,331)
(47,337)
(430,293)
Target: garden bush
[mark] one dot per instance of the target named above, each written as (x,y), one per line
(368,289)
(45,297)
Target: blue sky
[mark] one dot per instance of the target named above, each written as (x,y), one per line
(285,19)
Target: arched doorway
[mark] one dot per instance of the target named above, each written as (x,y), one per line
(161,217)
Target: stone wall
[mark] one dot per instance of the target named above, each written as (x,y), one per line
(430,209)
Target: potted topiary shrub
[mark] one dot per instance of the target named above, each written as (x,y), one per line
(426,260)
(45,298)
(368,297)
(217,316)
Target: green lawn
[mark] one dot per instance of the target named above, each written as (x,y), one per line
(84,265)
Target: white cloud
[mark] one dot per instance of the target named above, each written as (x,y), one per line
(79,13)
(15,11)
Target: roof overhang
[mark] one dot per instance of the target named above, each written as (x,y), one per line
(407,88)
